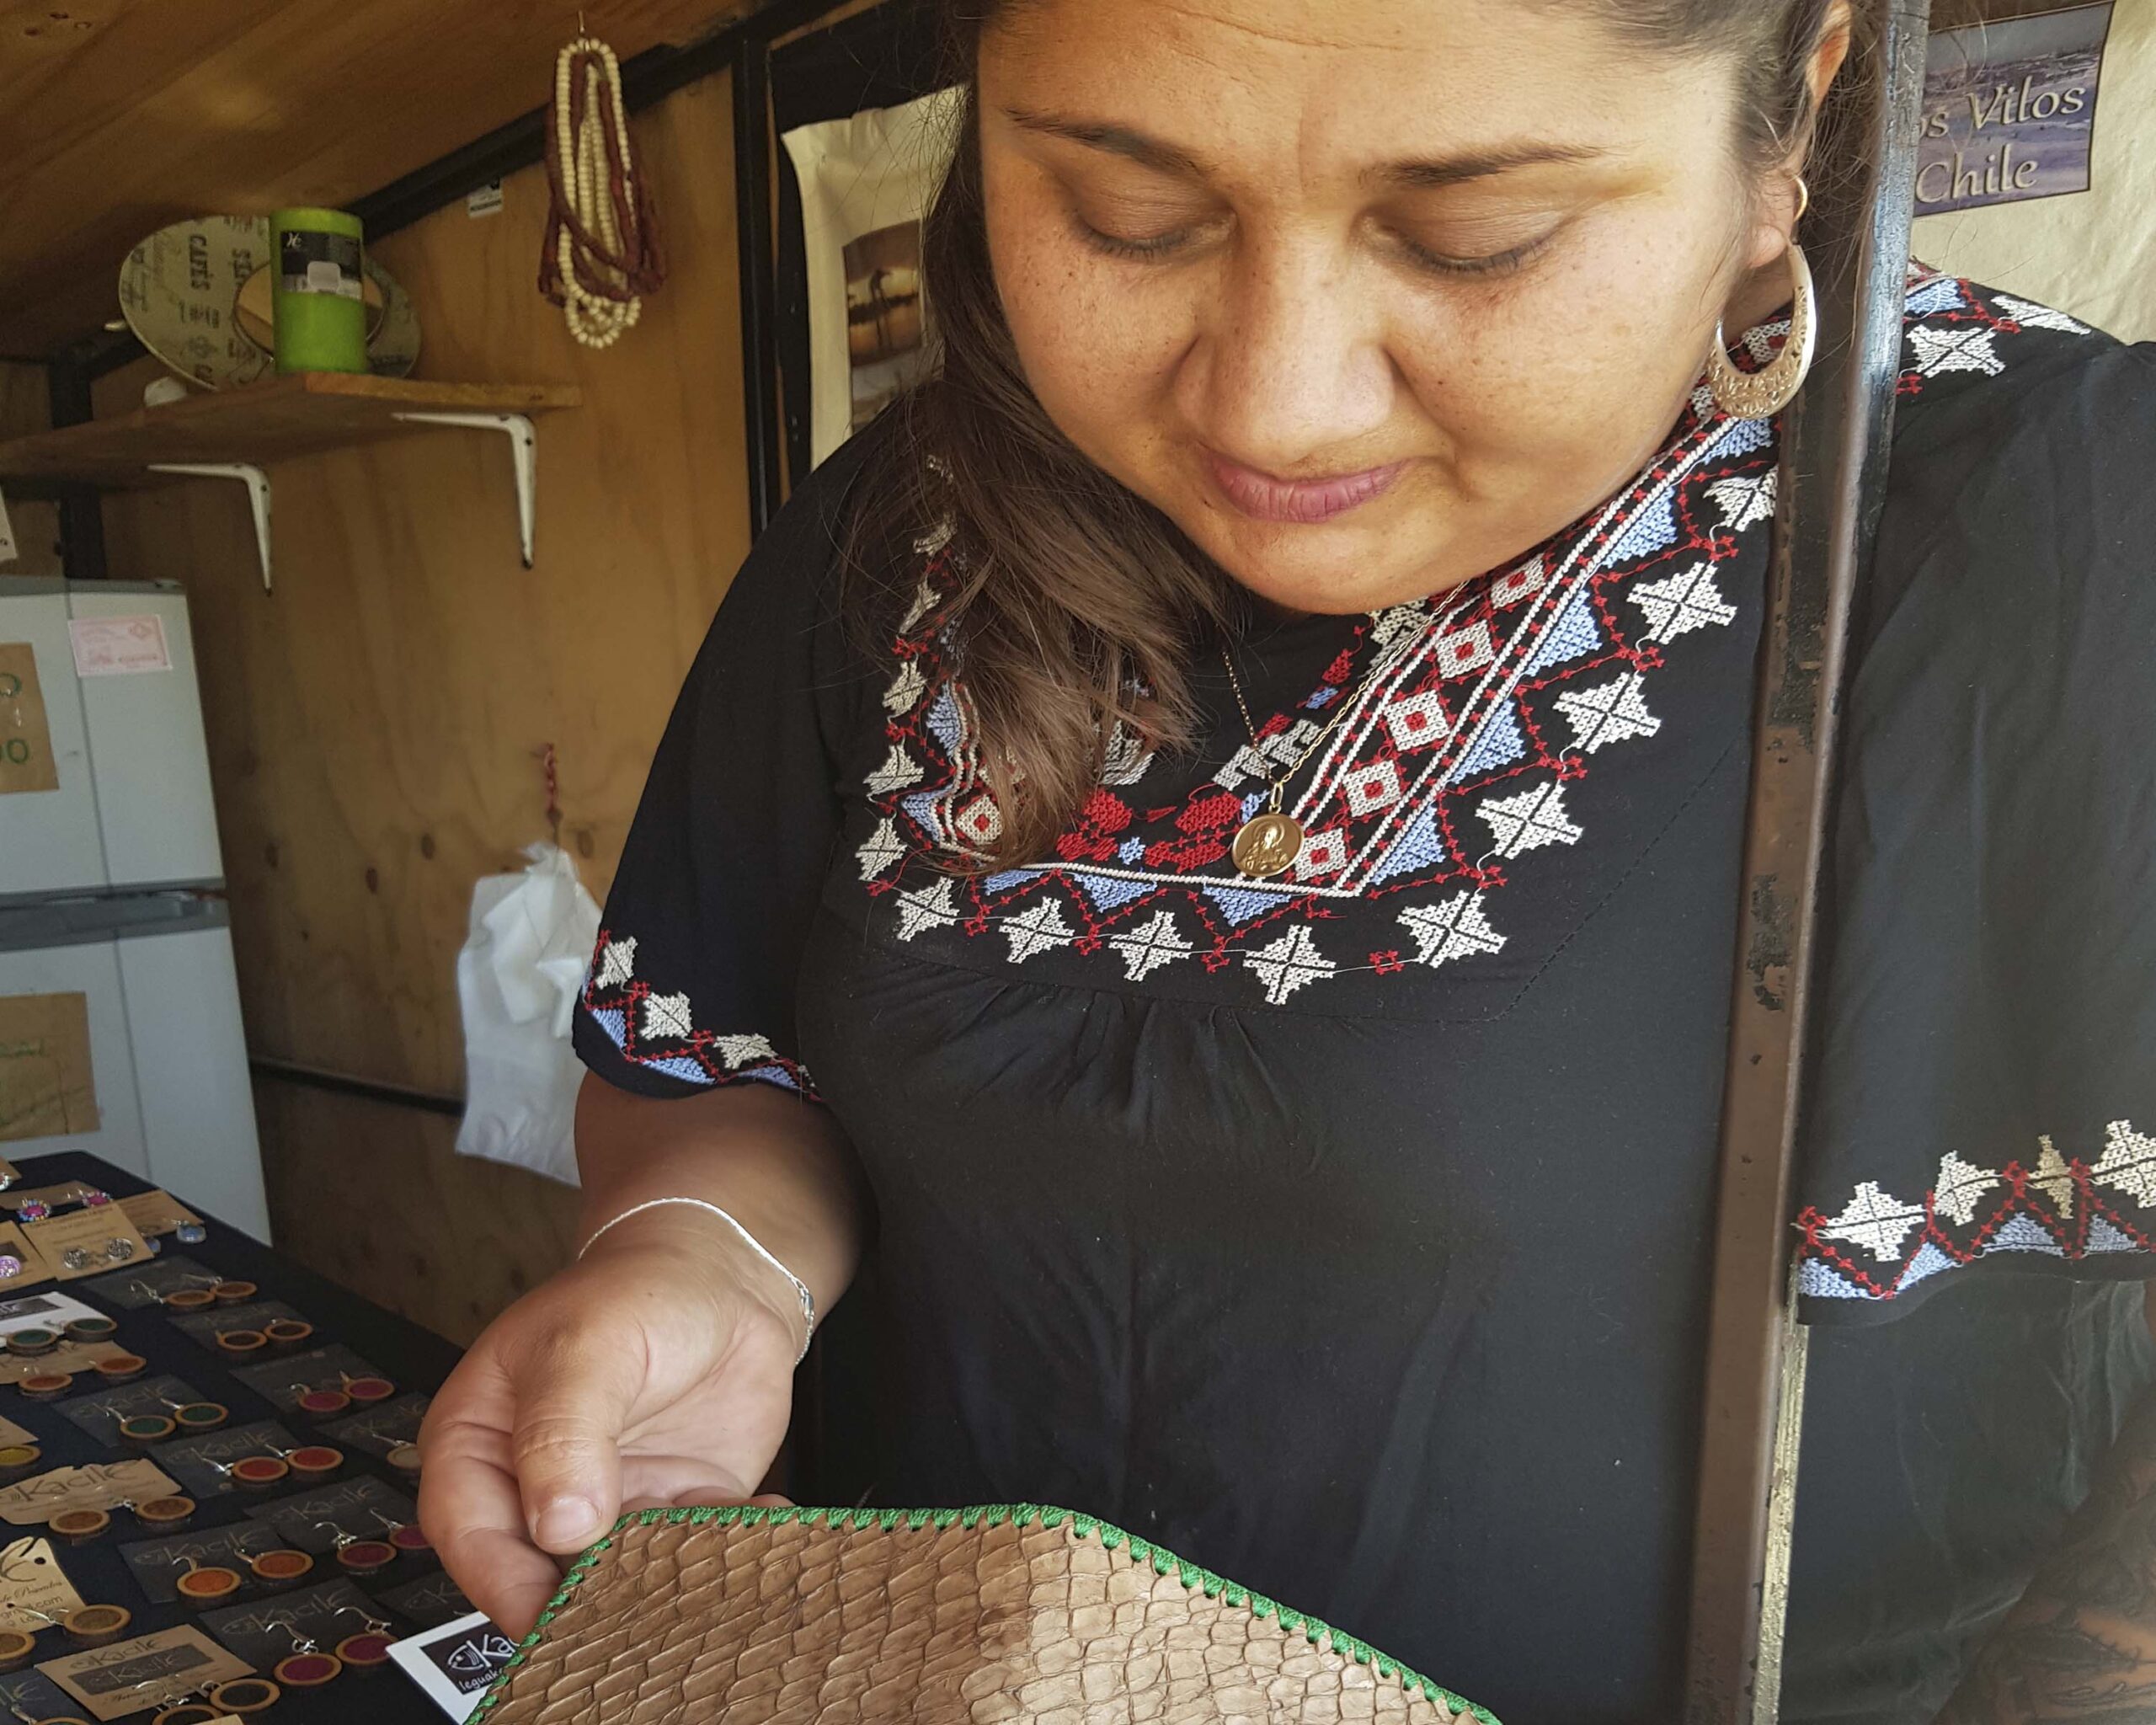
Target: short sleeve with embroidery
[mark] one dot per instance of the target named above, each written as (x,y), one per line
(693,982)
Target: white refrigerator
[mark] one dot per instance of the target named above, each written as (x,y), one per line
(120,1023)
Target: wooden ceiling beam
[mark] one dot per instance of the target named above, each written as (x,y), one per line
(117,116)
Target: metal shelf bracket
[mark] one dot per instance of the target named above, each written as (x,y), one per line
(523,449)
(258,496)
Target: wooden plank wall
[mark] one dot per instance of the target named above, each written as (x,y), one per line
(26,407)
(375,724)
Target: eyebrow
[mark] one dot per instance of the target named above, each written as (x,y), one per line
(1409,174)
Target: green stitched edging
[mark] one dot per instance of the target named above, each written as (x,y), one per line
(582,1566)
(1164,1563)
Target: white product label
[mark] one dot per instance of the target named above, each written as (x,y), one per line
(118,646)
(456,1664)
(485,202)
(7,552)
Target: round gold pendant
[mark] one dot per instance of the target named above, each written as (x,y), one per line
(1267,845)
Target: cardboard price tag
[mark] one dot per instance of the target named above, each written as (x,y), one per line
(131,1675)
(103,1485)
(33,1590)
(26,761)
(46,1084)
(88,1243)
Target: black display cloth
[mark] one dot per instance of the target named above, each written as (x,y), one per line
(414,1359)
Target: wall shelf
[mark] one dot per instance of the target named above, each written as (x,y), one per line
(231,433)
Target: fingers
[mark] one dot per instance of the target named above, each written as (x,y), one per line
(470,1508)
(575,1394)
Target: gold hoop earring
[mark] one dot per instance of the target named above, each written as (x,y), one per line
(1761,394)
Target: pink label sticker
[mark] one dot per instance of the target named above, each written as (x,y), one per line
(118,646)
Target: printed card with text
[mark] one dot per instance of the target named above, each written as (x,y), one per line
(456,1664)
(130,1676)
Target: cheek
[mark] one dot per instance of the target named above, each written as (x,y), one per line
(1095,341)
(1576,367)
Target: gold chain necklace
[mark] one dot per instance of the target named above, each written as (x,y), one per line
(1269,842)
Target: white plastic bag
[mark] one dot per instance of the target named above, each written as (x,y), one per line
(517,982)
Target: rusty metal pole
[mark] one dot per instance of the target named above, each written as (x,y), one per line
(1833,487)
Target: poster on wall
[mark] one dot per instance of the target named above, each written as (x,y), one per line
(866,184)
(2010,109)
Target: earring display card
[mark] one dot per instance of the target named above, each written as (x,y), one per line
(456,1664)
(126,1677)
(33,1590)
(68,1192)
(429,1602)
(100,1414)
(205,1326)
(189,1460)
(282,1382)
(34,1695)
(41,1311)
(155,1212)
(264,1631)
(381,1429)
(104,1485)
(312,1520)
(16,1244)
(87,1243)
(132,1289)
(157,1564)
(76,1358)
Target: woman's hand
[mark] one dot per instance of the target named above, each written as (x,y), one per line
(658,1371)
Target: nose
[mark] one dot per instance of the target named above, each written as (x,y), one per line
(1290,373)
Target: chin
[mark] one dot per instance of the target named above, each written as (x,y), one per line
(1329,568)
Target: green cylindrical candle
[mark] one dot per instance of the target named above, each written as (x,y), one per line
(320,310)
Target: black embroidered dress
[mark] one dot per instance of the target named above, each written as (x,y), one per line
(1345,1233)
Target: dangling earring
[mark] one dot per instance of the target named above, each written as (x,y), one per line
(1761,394)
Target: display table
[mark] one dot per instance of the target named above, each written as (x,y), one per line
(134,1563)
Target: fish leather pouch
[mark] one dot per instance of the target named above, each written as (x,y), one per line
(1005,1612)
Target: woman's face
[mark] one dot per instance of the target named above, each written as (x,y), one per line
(1459,260)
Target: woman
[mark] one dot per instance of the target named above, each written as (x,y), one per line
(1212,833)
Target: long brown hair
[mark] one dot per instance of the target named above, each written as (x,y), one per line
(1080,603)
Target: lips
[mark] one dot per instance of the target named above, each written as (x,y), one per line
(1303,502)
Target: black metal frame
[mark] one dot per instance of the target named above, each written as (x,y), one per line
(1833,475)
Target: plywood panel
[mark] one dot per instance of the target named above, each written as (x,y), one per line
(375,1198)
(375,725)
(24,409)
(117,116)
